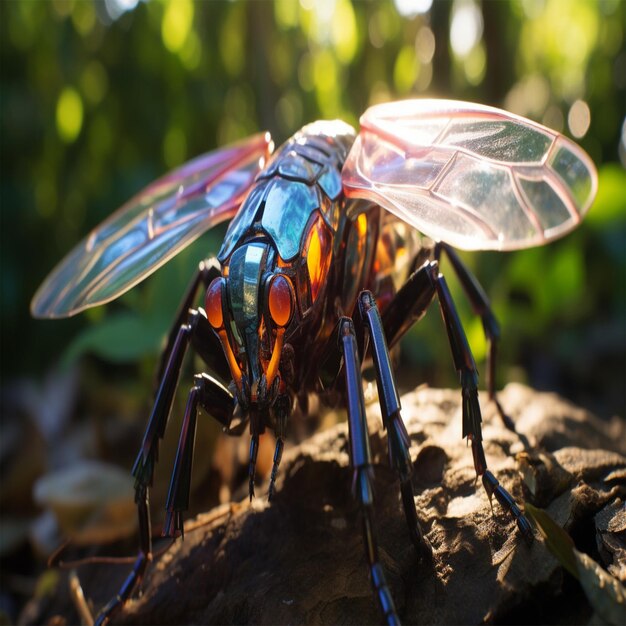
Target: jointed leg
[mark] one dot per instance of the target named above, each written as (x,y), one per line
(464,363)
(219,403)
(398,439)
(139,568)
(254,451)
(360,457)
(282,409)
(410,303)
(257,428)
(143,469)
(481,307)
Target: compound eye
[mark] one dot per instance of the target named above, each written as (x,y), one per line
(280,300)
(213,303)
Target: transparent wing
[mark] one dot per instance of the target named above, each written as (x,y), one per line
(151,228)
(473,176)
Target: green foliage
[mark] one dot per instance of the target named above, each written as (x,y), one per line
(119,338)
(609,209)
(605,593)
(557,540)
(96,103)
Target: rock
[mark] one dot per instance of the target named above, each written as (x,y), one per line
(611,538)
(300,559)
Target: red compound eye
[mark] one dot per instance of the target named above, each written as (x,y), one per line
(280,301)
(213,303)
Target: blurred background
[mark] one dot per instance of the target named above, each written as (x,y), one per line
(100,97)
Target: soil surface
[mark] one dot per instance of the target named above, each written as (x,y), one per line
(300,558)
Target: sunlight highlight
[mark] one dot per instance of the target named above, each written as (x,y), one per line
(411,8)
(466,27)
(117,8)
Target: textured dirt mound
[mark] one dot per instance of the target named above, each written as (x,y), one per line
(300,559)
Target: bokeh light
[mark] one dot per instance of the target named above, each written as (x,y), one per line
(69,115)
(411,8)
(177,23)
(466,27)
(622,144)
(425,44)
(116,8)
(579,118)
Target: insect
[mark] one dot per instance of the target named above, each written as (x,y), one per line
(331,254)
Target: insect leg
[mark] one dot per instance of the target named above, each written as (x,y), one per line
(254,451)
(257,428)
(144,556)
(397,436)
(481,307)
(465,365)
(143,469)
(282,408)
(361,460)
(217,400)
(410,302)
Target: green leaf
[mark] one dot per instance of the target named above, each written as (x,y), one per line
(606,594)
(557,540)
(120,337)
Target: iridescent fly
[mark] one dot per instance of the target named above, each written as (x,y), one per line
(332,252)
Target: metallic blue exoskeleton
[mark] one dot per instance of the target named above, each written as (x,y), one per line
(332,253)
